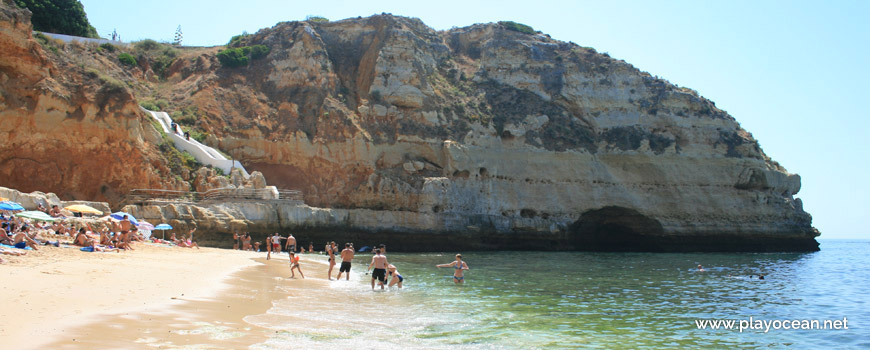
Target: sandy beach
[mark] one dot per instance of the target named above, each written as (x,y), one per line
(66,298)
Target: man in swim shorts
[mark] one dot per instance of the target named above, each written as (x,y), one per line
(346,257)
(379,262)
(291,243)
(276,243)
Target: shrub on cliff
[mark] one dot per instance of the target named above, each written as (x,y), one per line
(259,51)
(52,44)
(317,19)
(517,27)
(127,59)
(108,47)
(239,40)
(233,57)
(59,16)
(241,56)
(159,56)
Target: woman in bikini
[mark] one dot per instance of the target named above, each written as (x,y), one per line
(330,250)
(459,267)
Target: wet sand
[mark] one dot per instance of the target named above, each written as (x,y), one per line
(214,320)
(66,298)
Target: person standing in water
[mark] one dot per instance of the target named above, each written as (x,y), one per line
(330,250)
(346,257)
(380,272)
(291,243)
(276,243)
(459,267)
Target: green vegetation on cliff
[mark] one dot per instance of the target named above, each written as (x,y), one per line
(518,27)
(59,16)
(158,56)
(127,59)
(317,19)
(241,56)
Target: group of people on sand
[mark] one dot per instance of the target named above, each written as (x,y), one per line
(22,233)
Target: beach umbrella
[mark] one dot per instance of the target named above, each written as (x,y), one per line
(144,225)
(163,228)
(120,216)
(84,209)
(35,215)
(9,205)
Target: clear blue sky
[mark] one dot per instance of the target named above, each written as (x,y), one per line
(793,73)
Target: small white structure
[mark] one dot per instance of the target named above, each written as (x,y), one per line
(70,38)
(202,153)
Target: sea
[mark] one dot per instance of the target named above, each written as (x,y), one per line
(570,300)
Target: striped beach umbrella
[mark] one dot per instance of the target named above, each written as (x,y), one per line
(35,215)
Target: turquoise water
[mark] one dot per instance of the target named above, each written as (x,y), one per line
(592,300)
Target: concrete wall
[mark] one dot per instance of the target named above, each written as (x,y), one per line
(69,38)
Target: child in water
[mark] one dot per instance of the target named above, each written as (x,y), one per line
(294,264)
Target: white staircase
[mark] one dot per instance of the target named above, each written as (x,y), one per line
(202,153)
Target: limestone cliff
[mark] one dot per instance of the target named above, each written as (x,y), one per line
(73,131)
(486,131)
(476,137)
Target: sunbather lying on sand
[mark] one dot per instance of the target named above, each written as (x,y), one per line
(11,252)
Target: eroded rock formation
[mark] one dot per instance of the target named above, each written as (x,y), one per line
(491,137)
(490,132)
(67,130)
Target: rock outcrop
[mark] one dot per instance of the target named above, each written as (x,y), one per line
(490,137)
(75,132)
(488,132)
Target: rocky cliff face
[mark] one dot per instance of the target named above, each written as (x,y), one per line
(490,132)
(496,138)
(73,131)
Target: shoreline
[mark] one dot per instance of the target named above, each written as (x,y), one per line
(212,316)
(54,290)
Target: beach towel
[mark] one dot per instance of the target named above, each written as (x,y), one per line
(10,246)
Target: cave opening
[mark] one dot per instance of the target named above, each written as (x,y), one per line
(615,228)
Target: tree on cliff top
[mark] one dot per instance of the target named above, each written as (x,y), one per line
(59,16)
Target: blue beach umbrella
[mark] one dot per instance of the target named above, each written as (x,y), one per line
(120,216)
(163,227)
(10,205)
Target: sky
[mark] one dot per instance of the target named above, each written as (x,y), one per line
(793,73)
